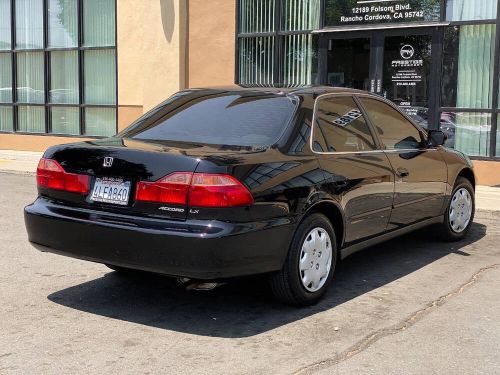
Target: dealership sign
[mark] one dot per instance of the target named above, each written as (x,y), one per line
(407,71)
(361,12)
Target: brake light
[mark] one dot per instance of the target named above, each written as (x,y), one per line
(51,175)
(195,189)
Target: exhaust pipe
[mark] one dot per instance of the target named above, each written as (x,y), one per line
(191,284)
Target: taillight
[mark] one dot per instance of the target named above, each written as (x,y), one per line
(51,175)
(196,190)
(215,190)
(173,189)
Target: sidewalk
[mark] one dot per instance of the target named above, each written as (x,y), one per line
(25,162)
(22,162)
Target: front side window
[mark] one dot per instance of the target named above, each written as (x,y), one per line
(340,127)
(393,129)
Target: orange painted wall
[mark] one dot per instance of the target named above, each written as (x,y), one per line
(211,43)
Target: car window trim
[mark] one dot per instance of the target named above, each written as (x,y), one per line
(313,125)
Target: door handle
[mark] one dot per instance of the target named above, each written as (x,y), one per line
(402,172)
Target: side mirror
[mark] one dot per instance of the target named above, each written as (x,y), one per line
(436,138)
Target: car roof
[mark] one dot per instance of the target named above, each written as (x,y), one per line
(295,90)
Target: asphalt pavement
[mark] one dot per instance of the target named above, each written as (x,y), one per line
(413,305)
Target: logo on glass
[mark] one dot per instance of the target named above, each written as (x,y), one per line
(407,52)
(108,161)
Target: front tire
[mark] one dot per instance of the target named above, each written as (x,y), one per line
(459,214)
(310,264)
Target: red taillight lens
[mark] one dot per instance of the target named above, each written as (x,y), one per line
(195,189)
(215,190)
(173,189)
(51,175)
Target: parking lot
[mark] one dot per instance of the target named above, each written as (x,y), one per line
(413,305)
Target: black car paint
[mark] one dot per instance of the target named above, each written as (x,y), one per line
(360,192)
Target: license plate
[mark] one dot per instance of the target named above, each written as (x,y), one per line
(111,190)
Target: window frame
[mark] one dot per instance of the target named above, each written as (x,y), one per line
(46,50)
(376,140)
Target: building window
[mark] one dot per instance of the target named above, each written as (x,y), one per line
(469,54)
(468,132)
(58,67)
(467,115)
(275,44)
(471,10)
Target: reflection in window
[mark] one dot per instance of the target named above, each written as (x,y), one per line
(249,119)
(300,140)
(300,60)
(63,23)
(342,126)
(256,60)
(394,130)
(467,132)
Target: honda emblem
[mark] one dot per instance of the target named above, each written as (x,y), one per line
(108,161)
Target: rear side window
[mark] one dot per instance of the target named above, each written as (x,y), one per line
(394,130)
(221,118)
(340,127)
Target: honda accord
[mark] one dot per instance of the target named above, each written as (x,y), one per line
(220,183)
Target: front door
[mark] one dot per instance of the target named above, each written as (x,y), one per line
(397,64)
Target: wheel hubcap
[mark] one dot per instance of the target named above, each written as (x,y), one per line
(460,210)
(315,259)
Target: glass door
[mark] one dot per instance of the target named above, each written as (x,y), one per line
(406,74)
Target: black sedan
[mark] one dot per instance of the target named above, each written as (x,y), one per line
(219,183)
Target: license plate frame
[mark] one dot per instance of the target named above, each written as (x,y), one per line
(111,190)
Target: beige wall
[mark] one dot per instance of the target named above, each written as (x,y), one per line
(211,44)
(151,51)
(33,142)
(487,172)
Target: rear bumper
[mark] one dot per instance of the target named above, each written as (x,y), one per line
(196,249)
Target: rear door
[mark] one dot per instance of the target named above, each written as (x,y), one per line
(421,172)
(358,174)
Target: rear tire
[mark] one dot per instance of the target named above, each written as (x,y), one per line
(310,264)
(459,214)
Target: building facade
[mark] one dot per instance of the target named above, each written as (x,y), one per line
(73,69)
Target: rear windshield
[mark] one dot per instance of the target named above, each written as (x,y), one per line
(222,118)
